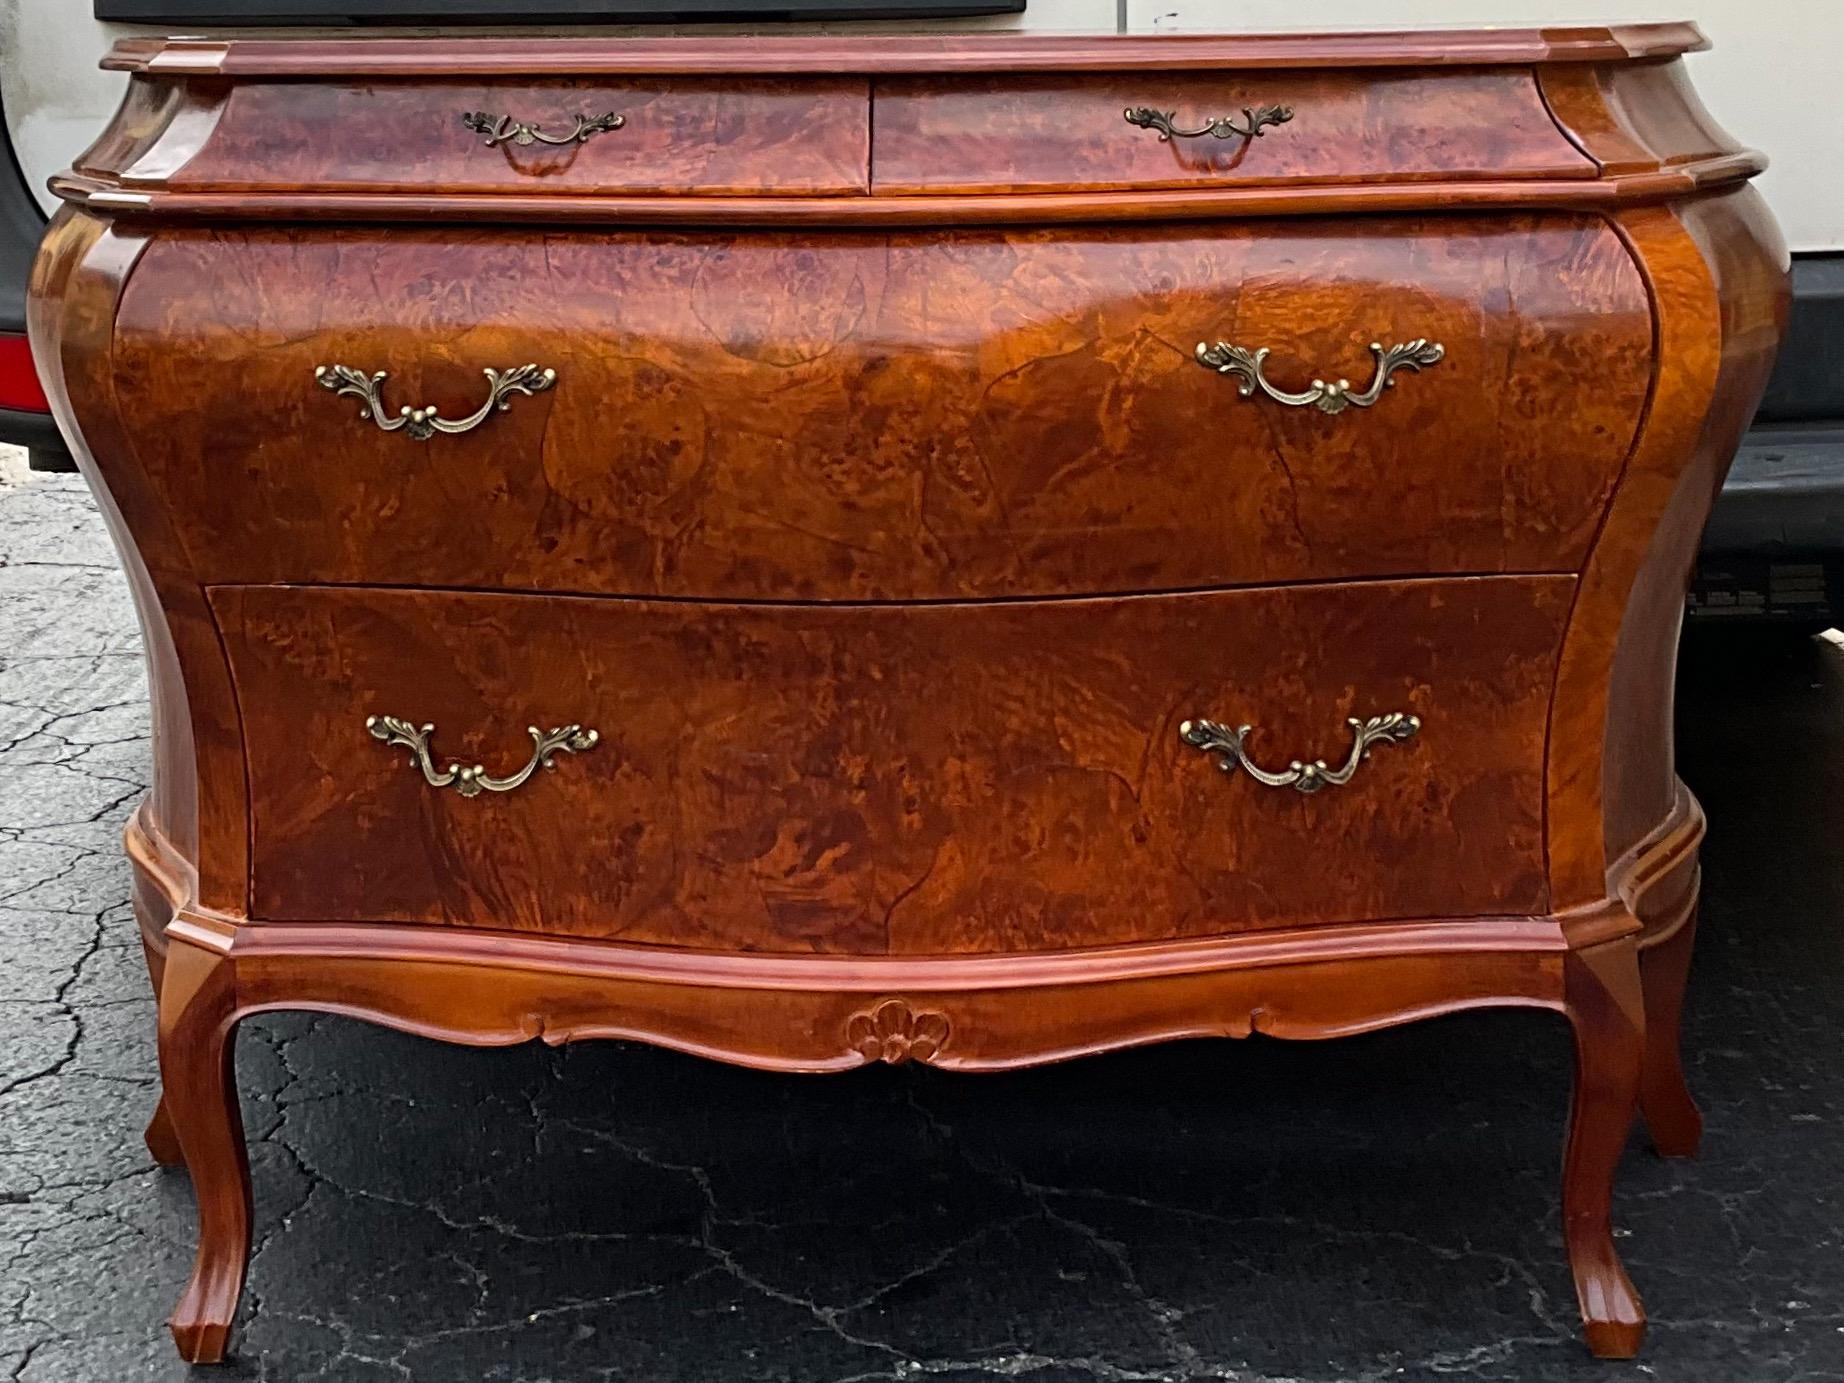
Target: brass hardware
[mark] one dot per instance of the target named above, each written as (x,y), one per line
(472,781)
(1335,397)
(1218,739)
(503,129)
(424,423)
(1254,122)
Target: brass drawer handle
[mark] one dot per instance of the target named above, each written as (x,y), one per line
(1254,122)
(424,423)
(1335,397)
(472,781)
(503,129)
(1213,738)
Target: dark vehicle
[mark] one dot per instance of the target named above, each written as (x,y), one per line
(1774,548)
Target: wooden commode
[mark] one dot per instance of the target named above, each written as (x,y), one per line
(976,550)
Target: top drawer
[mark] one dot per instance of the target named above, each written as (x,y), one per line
(1058,131)
(684,135)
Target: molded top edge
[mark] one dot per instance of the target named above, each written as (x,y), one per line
(992,51)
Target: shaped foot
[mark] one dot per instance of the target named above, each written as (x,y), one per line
(198,1016)
(1606,1010)
(161,1140)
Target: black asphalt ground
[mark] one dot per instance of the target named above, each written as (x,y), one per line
(1378,1209)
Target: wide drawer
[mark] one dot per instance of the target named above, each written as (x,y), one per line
(859,417)
(921,779)
(1053,132)
(679,135)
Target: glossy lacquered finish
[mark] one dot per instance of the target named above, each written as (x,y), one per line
(1058,131)
(857,417)
(902,130)
(991,51)
(815,554)
(710,136)
(785,780)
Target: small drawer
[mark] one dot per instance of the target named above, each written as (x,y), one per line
(896,779)
(858,417)
(1055,133)
(682,135)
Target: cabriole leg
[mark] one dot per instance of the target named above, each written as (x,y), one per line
(1606,1010)
(198,1015)
(1671,1115)
(161,1141)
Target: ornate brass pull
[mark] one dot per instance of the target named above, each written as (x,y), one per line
(1221,740)
(503,129)
(1335,397)
(424,423)
(1254,122)
(472,781)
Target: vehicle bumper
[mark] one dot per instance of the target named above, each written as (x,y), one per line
(1774,548)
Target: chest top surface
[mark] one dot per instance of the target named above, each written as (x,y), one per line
(825,54)
(905,129)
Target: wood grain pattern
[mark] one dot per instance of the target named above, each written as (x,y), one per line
(171,117)
(107,194)
(198,1015)
(703,136)
(1671,1114)
(562,989)
(996,1014)
(737,132)
(990,51)
(1736,237)
(919,780)
(870,418)
(1607,1015)
(1021,133)
(198,789)
(1632,118)
(1717,269)
(858,494)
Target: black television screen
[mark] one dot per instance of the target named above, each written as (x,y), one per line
(542,12)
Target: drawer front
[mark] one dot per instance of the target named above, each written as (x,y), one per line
(853,417)
(920,779)
(715,136)
(1050,133)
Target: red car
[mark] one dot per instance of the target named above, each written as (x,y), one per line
(25,417)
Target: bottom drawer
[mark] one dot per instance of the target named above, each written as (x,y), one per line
(913,779)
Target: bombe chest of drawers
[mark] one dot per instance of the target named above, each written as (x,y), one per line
(965,550)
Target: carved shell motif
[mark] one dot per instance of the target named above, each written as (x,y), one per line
(893,1032)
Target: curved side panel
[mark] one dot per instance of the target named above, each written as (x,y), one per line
(158,127)
(1631,118)
(1715,260)
(198,797)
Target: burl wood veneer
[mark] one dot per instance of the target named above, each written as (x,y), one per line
(968,550)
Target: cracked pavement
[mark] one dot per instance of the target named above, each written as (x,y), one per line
(1369,1210)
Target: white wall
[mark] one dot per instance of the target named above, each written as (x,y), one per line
(1776,77)
(56,99)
